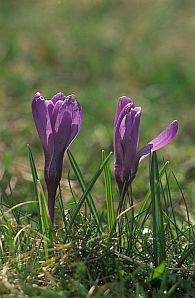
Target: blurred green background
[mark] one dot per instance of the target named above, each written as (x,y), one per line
(99,50)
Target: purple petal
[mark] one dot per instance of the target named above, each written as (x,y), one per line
(55,112)
(58,96)
(161,140)
(143,152)
(62,128)
(42,119)
(68,122)
(130,140)
(118,131)
(50,107)
(122,140)
(58,121)
(123,102)
(76,119)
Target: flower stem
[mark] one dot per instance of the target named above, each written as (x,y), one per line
(51,189)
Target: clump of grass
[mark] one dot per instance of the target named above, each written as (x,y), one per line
(145,250)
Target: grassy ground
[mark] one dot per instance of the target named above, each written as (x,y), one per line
(98,50)
(132,249)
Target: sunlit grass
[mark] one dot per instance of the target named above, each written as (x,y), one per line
(145,249)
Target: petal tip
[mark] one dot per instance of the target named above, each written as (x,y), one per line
(71,99)
(37,95)
(124,100)
(175,126)
(124,97)
(58,96)
(138,110)
(175,122)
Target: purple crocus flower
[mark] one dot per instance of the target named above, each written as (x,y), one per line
(58,121)
(126,138)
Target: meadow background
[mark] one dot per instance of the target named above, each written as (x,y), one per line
(98,50)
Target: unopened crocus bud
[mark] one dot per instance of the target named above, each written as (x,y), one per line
(126,139)
(58,121)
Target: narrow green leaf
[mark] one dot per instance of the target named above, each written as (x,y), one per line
(88,189)
(158,271)
(157,213)
(109,194)
(172,290)
(83,186)
(43,209)
(9,239)
(35,178)
(44,215)
(19,205)
(32,164)
(186,206)
(190,249)
(10,203)
(146,202)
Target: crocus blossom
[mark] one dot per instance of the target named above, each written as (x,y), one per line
(58,121)
(126,139)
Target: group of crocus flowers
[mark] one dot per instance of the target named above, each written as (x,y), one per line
(59,120)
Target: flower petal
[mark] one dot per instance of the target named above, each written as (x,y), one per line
(58,96)
(123,102)
(76,119)
(130,141)
(118,133)
(42,119)
(55,112)
(163,139)
(58,121)
(68,122)
(62,128)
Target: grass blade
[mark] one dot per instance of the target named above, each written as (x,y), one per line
(83,186)
(88,189)
(44,215)
(109,194)
(10,203)
(185,204)
(35,178)
(157,213)
(185,255)
(146,202)
(43,210)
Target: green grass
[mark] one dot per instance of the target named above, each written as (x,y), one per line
(148,251)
